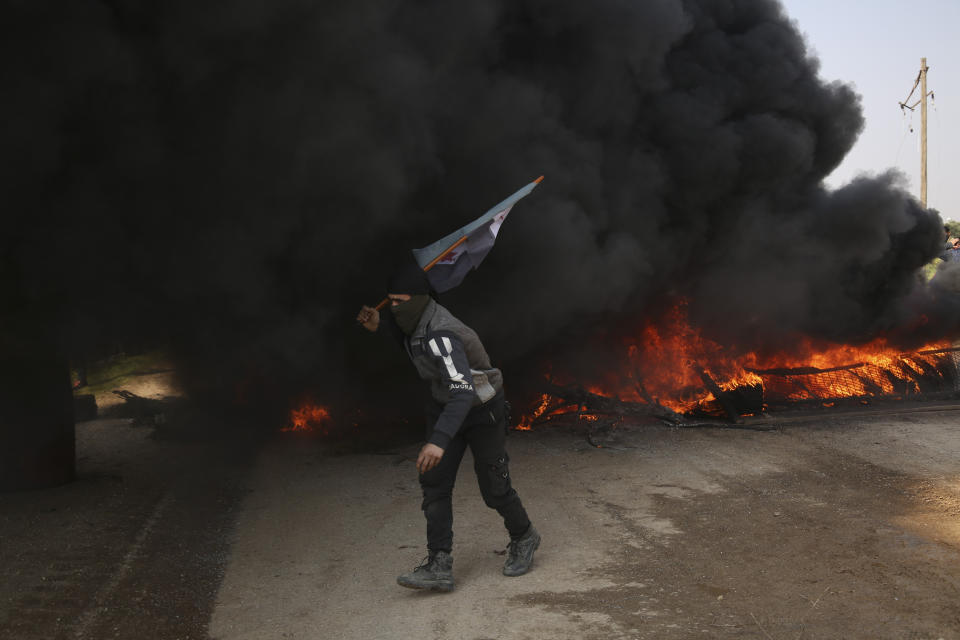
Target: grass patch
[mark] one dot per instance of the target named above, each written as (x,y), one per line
(110,373)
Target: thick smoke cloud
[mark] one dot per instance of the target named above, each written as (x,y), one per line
(234,179)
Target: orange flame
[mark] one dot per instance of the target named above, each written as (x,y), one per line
(526,422)
(309,418)
(670,362)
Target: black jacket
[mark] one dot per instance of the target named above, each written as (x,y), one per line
(449,355)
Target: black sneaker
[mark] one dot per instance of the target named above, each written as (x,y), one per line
(520,553)
(435,573)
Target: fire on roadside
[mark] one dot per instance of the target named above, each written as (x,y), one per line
(670,363)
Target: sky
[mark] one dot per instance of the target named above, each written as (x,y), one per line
(878,50)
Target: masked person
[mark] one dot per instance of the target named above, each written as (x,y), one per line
(466,409)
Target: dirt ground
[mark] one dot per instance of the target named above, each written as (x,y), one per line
(834,526)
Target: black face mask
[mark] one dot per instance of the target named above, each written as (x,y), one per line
(407,314)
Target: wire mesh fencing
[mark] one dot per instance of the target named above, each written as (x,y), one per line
(907,374)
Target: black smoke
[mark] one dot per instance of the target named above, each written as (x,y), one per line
(234,179)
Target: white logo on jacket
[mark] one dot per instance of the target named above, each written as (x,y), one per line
(455,375)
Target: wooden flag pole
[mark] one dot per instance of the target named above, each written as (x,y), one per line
(443,255)
(432,264)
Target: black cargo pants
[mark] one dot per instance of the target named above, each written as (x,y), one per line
(484,431)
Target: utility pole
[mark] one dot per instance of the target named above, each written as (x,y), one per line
(923,132)
(922,101)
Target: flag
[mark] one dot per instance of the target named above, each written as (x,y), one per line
(448,260)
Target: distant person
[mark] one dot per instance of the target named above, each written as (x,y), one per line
(466,409)
(951,247)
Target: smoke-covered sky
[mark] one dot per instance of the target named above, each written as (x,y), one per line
(234,179)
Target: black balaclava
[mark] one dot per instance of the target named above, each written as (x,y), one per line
(411,280)
(407,314)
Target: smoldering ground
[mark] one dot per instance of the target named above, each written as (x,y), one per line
(234,179)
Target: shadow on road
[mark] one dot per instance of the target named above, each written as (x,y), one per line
(136,546)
